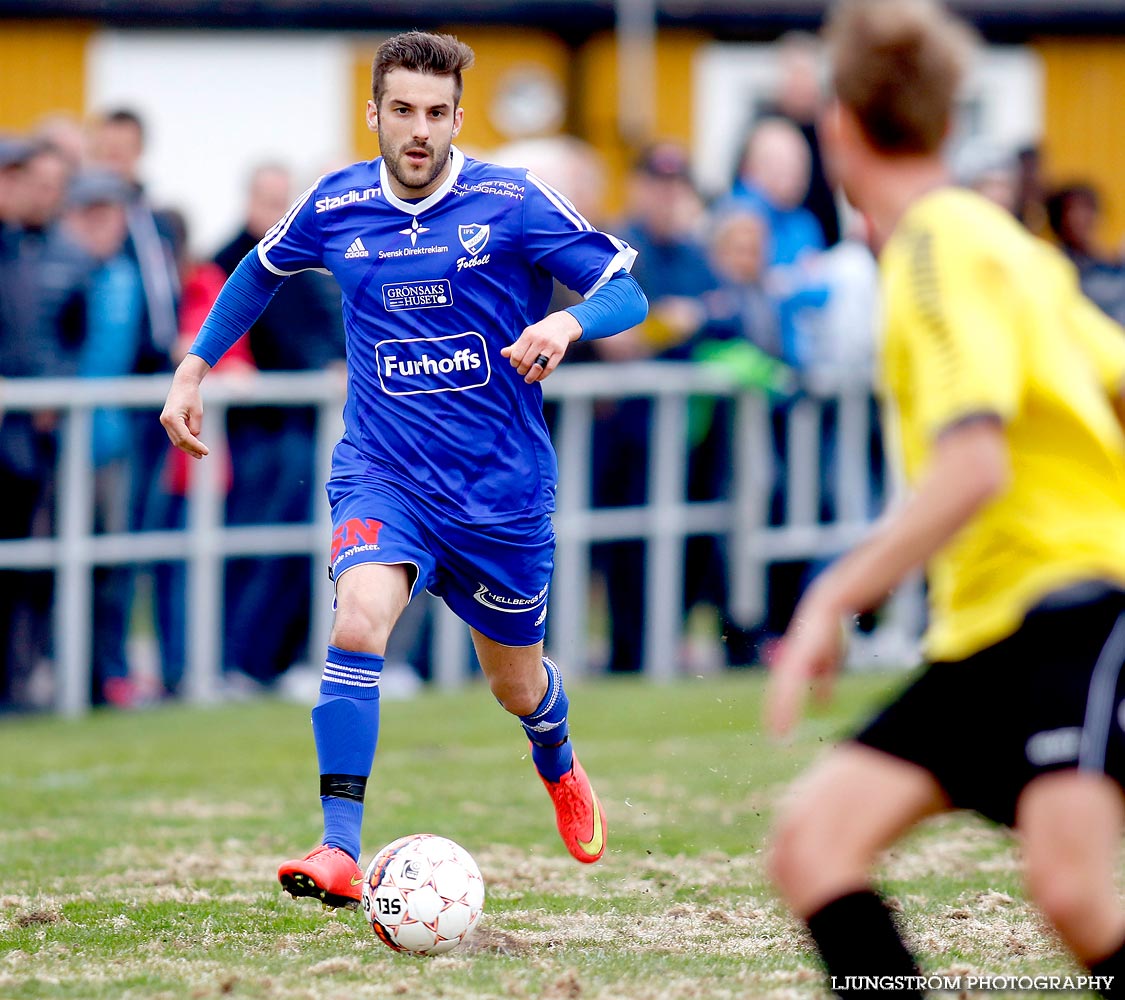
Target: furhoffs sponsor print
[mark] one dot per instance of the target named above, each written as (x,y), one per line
(433,364)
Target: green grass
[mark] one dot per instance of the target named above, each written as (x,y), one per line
(138,853)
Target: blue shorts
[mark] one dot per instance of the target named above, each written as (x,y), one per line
(494,577)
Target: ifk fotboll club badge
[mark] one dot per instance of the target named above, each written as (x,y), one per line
(473,237)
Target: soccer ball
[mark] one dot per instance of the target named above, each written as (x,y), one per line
(423,894)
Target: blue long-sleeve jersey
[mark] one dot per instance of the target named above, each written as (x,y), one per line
(432,290)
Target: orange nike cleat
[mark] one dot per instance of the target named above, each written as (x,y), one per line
(326,873)
(578,813)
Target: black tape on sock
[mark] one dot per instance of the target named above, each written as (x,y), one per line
(344,786)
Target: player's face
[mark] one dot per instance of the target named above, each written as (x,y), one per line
(417,120)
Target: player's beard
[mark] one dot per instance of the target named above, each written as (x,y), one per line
(394,161)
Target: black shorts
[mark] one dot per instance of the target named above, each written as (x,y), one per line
(1049,697)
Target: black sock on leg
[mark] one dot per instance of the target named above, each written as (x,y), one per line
(860,946)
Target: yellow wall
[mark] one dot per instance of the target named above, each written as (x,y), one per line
(42,70)
(1084,120)
(500,52)
(588,79)
(596,114)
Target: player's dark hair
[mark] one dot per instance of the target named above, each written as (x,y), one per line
(421,52)
(898,65)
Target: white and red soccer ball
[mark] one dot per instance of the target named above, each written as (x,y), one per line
(423,894)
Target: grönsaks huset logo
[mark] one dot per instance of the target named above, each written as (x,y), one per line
(474,237)
(433,364)
(404,295)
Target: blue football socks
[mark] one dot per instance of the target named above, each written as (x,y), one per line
(547,729)
(346,729)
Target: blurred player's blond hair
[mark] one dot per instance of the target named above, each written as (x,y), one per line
(899,64)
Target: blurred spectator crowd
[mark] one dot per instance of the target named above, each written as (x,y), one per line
(95,281)
(772,280)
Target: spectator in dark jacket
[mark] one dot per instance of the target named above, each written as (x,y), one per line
(41,327)
(1074,214)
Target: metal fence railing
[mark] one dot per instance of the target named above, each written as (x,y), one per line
(664,522)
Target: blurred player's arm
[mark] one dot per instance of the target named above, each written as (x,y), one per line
(957,326)
(1104,343)
(615,306)
(969,467)
(242,300)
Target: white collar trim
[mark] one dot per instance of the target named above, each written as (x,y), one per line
(456,162)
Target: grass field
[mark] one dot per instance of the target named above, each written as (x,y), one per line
(138,855)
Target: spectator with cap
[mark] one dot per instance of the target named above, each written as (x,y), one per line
(46,173)
(41,306)
(117,144)
(95,221)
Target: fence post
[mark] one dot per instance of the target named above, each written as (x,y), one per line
(73,612)
(328,428)
(205,564)
(802,460)
(752,486)
(853,437)
(664,561)
(451,647)
(569,608)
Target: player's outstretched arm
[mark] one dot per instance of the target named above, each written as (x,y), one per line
(182,416)
(241,301)
(969,467)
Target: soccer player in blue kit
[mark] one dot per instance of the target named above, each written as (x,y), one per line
(445,475)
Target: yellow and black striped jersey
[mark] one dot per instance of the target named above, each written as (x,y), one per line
(983,318)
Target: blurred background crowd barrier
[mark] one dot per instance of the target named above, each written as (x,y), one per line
(809,528)
(711,460)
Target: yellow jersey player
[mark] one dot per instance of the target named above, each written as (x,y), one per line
(1004,386)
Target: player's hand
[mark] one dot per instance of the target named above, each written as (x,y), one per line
(182,416)
(542,345)
(808,657)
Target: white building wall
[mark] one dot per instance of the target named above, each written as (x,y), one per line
(1003,101)
(217,103)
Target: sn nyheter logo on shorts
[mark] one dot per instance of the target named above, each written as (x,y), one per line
(357,534)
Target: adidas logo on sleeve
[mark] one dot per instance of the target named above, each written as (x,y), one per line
(357,249)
